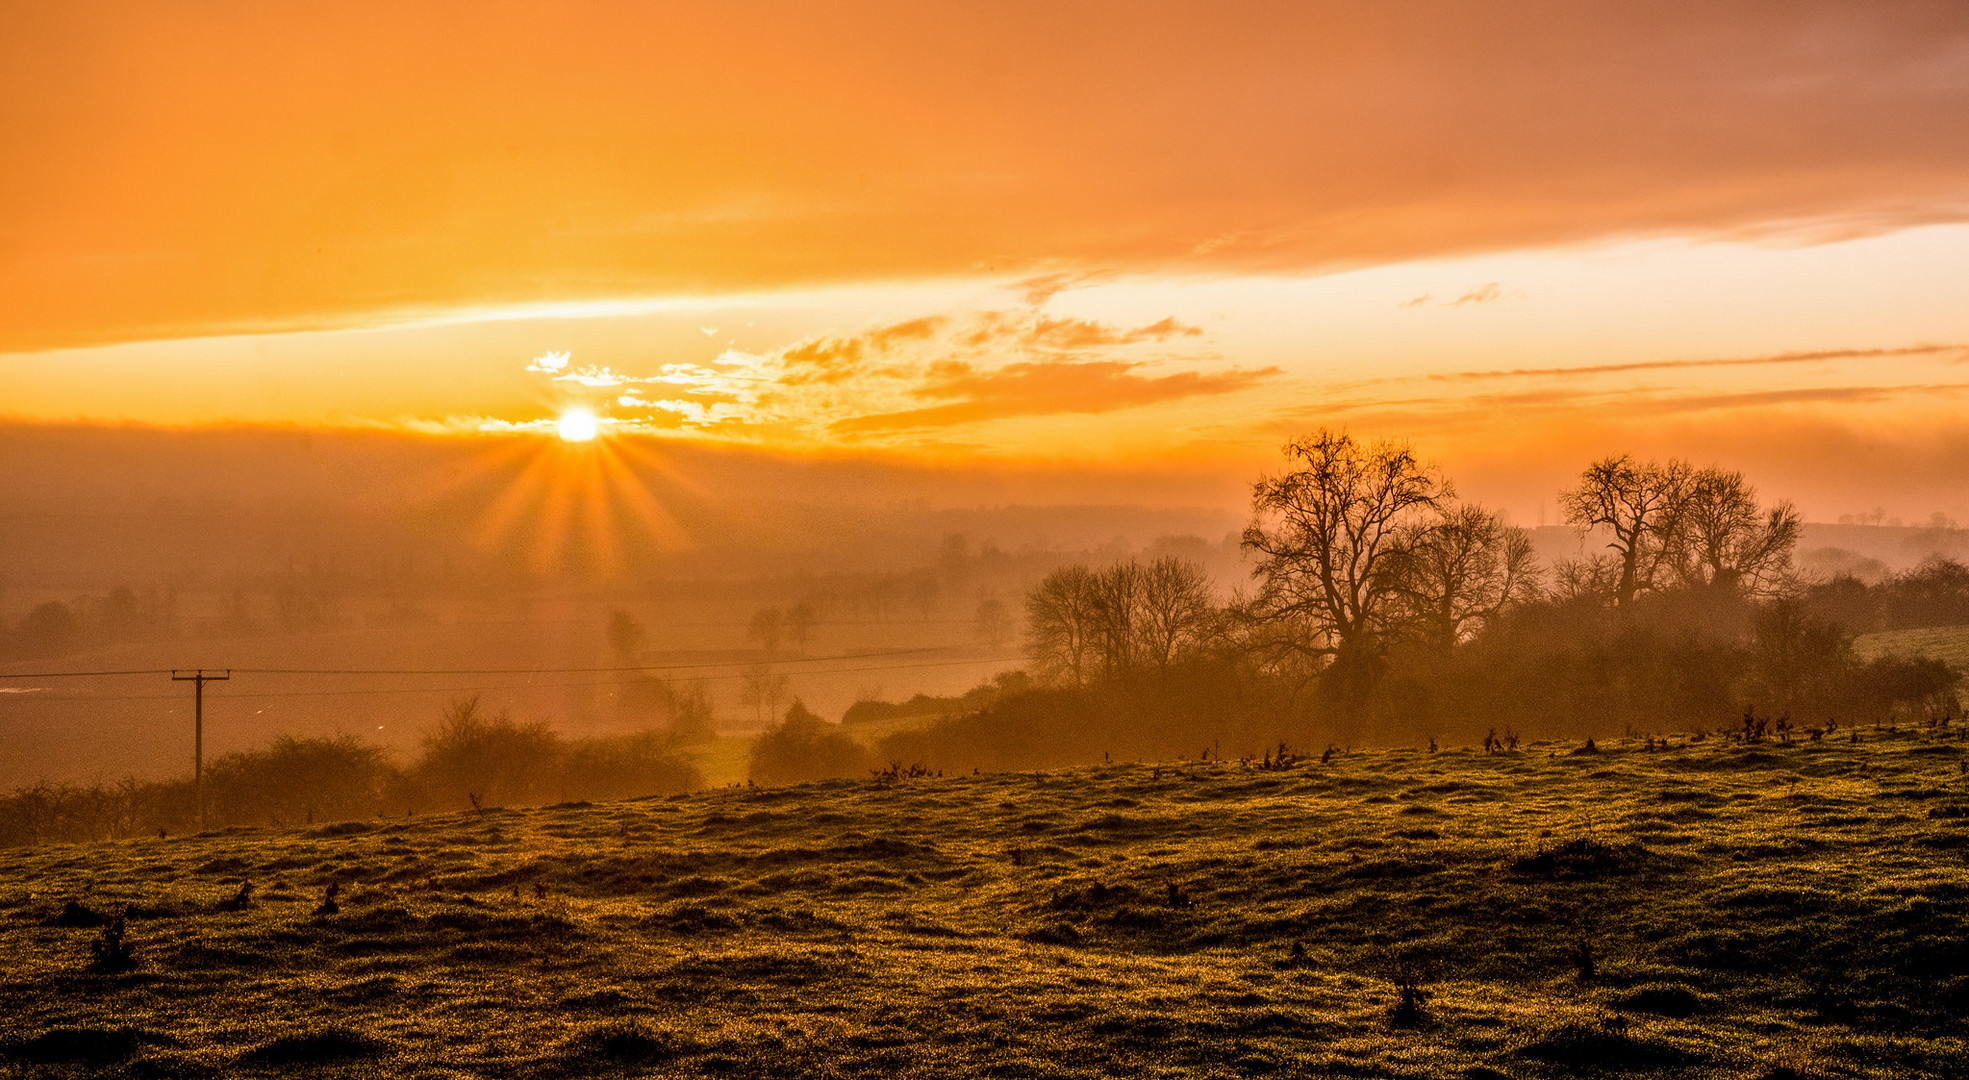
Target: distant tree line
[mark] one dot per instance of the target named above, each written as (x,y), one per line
(470,759)
(1382,608)
(1936,593)
(122,614)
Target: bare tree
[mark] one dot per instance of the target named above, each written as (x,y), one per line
(764,690)
(993,623)
(1085,625)
(1591,578)
(923,589)
(1331,535)
(1723,540)
(1460,569)
(1637,504)
(1117,593)
(625,636)
(1060,624)
(766,627)
(800,621)
(1176,614)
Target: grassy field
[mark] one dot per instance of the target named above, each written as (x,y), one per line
(1950,643)
(1707,910)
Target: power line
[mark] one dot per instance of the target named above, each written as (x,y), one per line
(87,674)
(490,671)
(511,686)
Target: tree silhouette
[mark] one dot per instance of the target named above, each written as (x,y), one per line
(1637,504)
(1332,536)
(625,637)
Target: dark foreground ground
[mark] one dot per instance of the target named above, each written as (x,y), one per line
(1709,910)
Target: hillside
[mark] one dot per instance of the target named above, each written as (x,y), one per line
(1708,909)
(1950,643)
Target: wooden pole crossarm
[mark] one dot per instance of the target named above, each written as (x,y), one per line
(198,677)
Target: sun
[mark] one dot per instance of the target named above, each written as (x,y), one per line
(578,425)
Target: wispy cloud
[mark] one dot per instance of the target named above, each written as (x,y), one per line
(1669,365)
(1048,388)
(1040,288)
(934,371)
(1482,294)
(1627,402)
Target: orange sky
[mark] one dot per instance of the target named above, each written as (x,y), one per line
(1524,234)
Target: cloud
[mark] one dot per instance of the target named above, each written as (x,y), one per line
(1669,365)
(1802,395)
(834,359)
(1037,290)
(885,143)
(550,362)
(933,371)
(1529,406)
(1046,389)
(1483,294)
(1067,333)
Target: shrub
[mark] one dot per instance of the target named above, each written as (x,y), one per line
(297,780)
(624,767)
(803,747)
(497,759)
(691,721)
(1410,997)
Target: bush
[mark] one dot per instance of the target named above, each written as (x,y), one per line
(495,760)
(1161,715)
(297,780)
(624,767)
(803,747)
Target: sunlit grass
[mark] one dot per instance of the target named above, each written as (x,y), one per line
(1950,643)
(1746,906)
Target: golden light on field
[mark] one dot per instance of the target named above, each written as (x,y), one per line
(578,425)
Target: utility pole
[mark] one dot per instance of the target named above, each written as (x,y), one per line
(198,678)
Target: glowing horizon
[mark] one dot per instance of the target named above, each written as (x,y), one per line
(1521,237)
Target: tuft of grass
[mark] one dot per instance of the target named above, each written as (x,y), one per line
(113,952)
(240,900)
(1410,996)
(1583,857)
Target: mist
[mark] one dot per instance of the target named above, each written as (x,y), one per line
(281,549)
(264,551)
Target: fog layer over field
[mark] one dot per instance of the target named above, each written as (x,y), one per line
(466,566)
